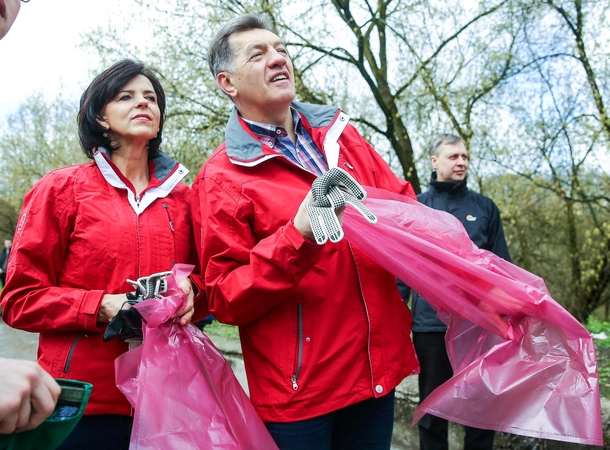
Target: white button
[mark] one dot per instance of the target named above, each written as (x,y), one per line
(278,131)
(307,339)
(379,389)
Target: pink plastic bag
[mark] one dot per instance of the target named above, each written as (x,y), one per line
(183,391)
(522,363)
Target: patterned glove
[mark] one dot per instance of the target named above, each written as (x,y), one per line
(331,191)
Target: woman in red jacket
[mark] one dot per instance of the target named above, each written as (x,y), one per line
(85,229)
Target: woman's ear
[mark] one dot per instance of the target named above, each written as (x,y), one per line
(103,122)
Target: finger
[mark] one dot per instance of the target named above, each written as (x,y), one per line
(8,421)
(25,411)
(186,287)
(187,317)
(189,298)
(51,384)
(41,402)
(188,308)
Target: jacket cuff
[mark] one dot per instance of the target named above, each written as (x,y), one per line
(92,301)
(197,286)
(301,244)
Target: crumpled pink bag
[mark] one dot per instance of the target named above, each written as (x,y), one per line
(522,363)
(183,391)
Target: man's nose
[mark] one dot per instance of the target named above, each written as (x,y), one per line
(277,59)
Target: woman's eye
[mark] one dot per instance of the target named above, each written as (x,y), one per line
(151,98)
(124,97)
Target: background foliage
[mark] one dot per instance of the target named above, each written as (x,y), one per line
(524,83)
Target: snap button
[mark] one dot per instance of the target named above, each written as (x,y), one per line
(379,389)
(307,339)
(278,131)
(180,171)
(342,118)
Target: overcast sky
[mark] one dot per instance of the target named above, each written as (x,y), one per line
(40,52)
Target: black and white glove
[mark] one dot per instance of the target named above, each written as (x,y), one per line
(331,191)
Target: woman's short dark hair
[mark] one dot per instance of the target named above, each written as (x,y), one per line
(100,92)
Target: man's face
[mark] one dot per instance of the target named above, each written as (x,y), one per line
(262,83)
(451,163)
(8,243)
(8,13)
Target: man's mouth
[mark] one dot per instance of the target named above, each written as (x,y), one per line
(279,77)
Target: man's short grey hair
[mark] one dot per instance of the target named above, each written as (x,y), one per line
(220,53)
(443,139)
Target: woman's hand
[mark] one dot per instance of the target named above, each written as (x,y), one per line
(111,305)
(186,314)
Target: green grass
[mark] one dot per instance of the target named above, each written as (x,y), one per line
(596,326)
(602,350)
(220,329)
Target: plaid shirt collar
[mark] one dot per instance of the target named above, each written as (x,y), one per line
(268,134)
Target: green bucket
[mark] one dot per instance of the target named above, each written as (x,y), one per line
(56,428)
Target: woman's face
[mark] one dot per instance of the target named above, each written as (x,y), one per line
(8,13)
(133,115)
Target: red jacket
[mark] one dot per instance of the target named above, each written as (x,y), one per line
(322,327)
(81,234)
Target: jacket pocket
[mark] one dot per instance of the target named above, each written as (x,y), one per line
(173,230)
(299,349)
(71,352)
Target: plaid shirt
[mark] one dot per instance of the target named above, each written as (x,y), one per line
(304,153)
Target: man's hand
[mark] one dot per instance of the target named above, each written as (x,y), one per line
(301,220)
(28,395)
(186,314)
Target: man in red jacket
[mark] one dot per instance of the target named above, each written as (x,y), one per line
(324,333)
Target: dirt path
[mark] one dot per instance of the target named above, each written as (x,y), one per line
(17,344)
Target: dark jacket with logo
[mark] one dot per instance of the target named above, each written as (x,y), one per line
(481,218)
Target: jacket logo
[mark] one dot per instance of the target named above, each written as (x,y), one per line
(471,218)
(22,222)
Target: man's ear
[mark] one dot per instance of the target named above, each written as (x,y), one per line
(223,79)
(433,161)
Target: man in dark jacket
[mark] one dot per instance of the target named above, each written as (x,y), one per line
(481,219)
(4,255)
